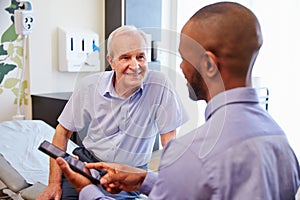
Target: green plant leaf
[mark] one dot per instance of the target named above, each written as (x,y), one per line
(2,51)
(19,39)
(10,82)
(22,97)
(10,49)
(1,90)
(4,69)
(13,6)
(17,60)
(9,35)
(26,101)
(24,86)
(15,91)
(23,94)
(19,50)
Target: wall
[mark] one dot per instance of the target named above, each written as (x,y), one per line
(51,14)
(42,46)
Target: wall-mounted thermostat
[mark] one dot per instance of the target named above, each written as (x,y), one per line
(78,51)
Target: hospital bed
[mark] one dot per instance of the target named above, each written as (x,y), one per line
(23,168)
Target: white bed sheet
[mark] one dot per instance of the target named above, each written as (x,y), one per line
(19,141)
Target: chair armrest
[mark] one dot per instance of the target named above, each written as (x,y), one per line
(10,177)
(32,192)
(2,185)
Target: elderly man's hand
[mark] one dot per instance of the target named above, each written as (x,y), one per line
(77,180)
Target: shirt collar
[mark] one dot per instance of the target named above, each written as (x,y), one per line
(109,90)
(109,86)
(237,95)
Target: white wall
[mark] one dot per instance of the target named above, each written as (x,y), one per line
(51,14)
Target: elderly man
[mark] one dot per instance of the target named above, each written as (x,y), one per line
(123,111)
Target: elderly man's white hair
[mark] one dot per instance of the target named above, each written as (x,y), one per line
(122,30)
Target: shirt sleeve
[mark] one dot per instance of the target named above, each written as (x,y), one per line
(148,183)
(171,113)
(92,192)
(74,116)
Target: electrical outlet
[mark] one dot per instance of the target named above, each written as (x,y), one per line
(24,21)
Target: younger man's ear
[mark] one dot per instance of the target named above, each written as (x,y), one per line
(211,67)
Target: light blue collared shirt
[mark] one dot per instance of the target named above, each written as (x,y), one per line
(239,153)
(123,129)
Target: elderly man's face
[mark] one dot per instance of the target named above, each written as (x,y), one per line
(129,61)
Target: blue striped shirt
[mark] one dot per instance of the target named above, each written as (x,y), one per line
(123,129)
